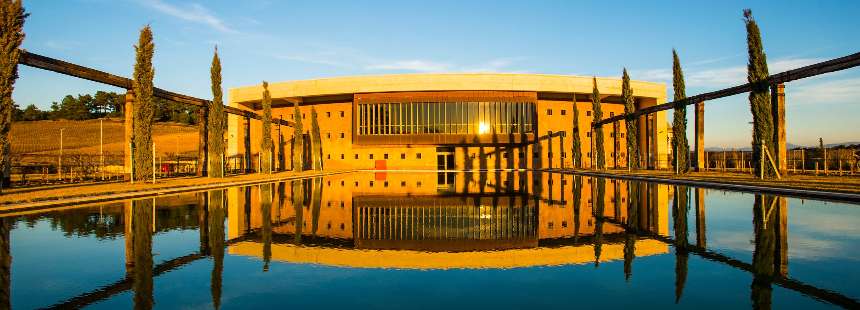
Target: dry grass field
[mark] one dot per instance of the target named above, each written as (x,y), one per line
(82,137)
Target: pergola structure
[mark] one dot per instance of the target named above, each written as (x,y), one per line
(67,68)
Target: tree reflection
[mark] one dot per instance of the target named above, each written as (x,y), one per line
(216,243)
(599,206)
(298,195)
(679,216)
(631,227)
(266,229)
(142,223)
(5,264)
(764,228)
(577,203)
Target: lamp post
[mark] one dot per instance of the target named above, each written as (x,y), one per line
(60,160)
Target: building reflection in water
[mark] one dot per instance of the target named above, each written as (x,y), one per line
(416,215)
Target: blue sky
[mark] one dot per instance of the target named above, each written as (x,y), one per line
(287,40)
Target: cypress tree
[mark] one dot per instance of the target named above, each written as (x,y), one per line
(12,18)
(630,121)
(266,145)
(316,153)
(679,124)
(759,96)
(298,140)
(216,121)
(577,142)
(598,131)
(144,106)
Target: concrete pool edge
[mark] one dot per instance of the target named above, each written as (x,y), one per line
(725,185)
(45,205)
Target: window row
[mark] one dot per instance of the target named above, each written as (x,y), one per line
(404,118)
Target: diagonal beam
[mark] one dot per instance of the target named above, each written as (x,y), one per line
(832,65)
(67,68)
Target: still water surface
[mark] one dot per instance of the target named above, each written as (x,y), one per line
(436,240)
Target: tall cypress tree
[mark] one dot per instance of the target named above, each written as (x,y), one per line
(316,152)
(759,96)
(298,140)
(144,106)
(679,123)
(630,121)
(598,131)
(266,145)
(12,18)
(577,140)
(217,121)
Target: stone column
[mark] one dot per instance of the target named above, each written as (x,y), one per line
(202,146)
(247,139)
(700,136)
(128,127)
(778,110)
(615,144)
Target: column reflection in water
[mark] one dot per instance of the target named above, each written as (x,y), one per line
(266,226)
(701,235)
(679,216)
(217,215)
(142,220)
(203,221)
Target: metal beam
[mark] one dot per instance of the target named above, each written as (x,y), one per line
(832,65)
(67,68)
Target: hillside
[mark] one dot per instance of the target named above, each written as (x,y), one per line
(82,137)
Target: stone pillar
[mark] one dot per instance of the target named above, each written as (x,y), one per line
(778,110)
(128,127)
(701,236)
(561,149)
(247,139)
(700,136)
(615,144)
(203,146)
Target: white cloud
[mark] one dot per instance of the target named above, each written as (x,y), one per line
(193,13)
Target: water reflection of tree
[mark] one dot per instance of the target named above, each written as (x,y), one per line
(5,264)
(631,227)
(142,244)
(679,216)
(266,227)
(297,193)
(316,204)
(217,215)
(764,226)
(577,203)
(599,203)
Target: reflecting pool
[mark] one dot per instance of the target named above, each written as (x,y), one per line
(507,239)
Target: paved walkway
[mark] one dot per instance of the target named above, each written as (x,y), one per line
(839,188)
(45,197)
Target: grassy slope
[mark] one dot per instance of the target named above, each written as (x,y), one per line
(82,137)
